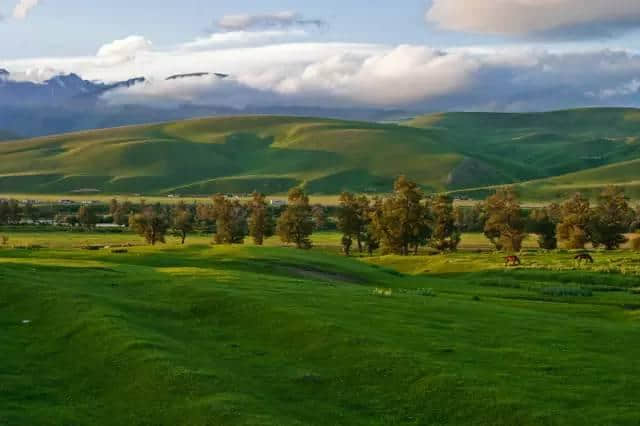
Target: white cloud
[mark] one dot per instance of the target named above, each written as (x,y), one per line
(550,18)
(285,19)
(243,38)
(125,49)
(22,9)
(353,74)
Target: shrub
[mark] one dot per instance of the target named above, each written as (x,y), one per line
(383,292)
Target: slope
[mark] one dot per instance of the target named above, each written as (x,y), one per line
(583,146)
(238,154)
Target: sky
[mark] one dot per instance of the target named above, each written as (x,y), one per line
(497,55)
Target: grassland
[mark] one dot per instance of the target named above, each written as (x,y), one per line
(551,154)
(270,335)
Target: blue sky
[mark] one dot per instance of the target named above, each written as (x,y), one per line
(78,27)
(507,55)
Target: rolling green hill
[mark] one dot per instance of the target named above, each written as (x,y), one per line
(241,154)
(554,152)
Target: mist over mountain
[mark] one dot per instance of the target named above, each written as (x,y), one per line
(67,102)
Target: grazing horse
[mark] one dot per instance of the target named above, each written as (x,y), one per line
(584,256)
(512,261)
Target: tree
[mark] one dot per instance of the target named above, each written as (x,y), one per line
(611,218)
(573,230)
(4,212)
(151,223)
(231,220)
(400,222)
(504,225)
(635,223)
(295,224)
(260,221)
(120,215)
(320,219)
(543,222)
(87,217)
(113,206)
(445,234)
(182,221)
(29,211)
(350,220)
(9,212)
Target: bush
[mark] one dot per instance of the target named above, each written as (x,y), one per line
(566,291)
(383,292)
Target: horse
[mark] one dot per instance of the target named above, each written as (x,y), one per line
(584,256)
(512,261)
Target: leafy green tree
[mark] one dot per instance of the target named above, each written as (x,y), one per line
(544,222)
(574,230)
(611,218)
(151,223)
(231,220)
(87,217)
(182,221)
(260,221)
(295,224)
(445,234)
(504,225)
(401,221)
(350,220)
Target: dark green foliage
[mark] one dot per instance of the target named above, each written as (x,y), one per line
(544,222)
(353,221)
(261,223)
(611,219)
(445,234)
(231,220)
(504,225)
(401,221)
(182,221)
(151,223)
(295,224)
(575,219)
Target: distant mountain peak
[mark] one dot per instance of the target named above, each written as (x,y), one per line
(196,75)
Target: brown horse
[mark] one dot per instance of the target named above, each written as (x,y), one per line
(584,257)
(512,261)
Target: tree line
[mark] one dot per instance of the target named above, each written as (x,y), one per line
(400,223)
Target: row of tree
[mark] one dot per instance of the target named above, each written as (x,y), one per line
(400,223)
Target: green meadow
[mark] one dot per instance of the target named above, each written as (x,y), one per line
(245,335)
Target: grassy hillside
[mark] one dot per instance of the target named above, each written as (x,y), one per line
(272,336)
(272,154)
(543,145)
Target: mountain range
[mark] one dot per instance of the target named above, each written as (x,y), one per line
(67,103)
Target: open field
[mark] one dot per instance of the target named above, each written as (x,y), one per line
(270,335)
(550,156)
